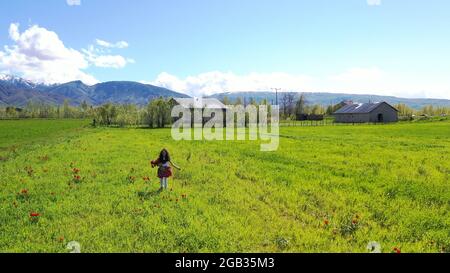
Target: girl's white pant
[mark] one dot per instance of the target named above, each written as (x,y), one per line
(164,182)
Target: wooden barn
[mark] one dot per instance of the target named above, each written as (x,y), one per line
(380,112)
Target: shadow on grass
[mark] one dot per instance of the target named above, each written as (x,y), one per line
(145,195)
(143,127)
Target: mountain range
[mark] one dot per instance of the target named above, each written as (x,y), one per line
(15,91)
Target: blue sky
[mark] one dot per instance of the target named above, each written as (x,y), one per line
(389,47)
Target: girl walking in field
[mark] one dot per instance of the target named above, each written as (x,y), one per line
(164,168)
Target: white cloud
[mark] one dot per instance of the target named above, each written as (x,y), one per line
(73,2)
(109,61)
(14,32)
(101,56)
(374,2)
(120,44)
(93,55)
(358,74)
(39,55)
(376,81)
(211,82)
(370,80)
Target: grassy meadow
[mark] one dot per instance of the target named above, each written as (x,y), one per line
(327,189)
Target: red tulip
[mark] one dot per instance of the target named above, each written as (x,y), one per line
(34,214)
(397,250)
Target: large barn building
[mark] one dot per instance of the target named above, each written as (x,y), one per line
(202,104)
(381,112)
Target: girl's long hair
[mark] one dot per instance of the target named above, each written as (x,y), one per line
(162,158)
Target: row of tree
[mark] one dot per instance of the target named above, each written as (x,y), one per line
(155,114)
(429,110)
(41,110)
(158,112)
(292,107)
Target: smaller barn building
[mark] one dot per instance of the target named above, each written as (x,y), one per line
(381,112)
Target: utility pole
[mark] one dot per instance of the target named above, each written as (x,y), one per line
(276,94)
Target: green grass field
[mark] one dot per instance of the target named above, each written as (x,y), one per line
(327,189)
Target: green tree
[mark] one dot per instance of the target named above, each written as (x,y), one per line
(226,100)
(404,110)
(106,114)
(11,112)
(84,107)
(300,106)
(158,113)
(66,109)
(127,115)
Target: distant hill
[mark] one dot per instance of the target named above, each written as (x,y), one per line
(15,91)
(131,92)
(18,92)
(76,92)
(333,98)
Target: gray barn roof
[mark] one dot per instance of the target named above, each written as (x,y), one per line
(360,108)
(200,103)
